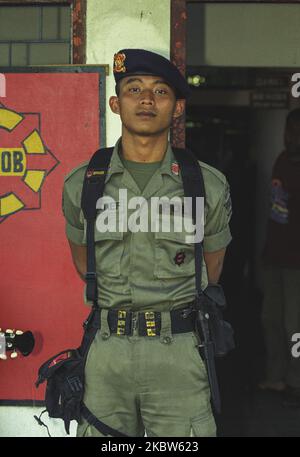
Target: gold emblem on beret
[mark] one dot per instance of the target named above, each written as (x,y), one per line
(119,59)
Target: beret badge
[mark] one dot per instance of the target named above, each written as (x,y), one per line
(119,66)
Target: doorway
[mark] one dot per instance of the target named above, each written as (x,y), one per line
(235,118)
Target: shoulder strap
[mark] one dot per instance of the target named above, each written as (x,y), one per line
(193,186)
(93,188)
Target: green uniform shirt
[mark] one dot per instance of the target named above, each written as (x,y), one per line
(137,270)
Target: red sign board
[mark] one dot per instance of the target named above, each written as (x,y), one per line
(51,120)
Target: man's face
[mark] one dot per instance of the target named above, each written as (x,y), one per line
(146,105)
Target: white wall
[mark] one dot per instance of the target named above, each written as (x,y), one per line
(111,25)
(18,421)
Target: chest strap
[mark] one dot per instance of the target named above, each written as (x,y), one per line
(93,188)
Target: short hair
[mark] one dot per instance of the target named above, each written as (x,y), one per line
(293,118)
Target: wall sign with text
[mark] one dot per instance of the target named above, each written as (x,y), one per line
(51,120)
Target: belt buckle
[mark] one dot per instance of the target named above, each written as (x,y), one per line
(121,322)
(150,323)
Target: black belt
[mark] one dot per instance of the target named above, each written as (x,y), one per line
(148,323)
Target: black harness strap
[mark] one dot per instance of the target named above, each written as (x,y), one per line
(93,188)
(193,185)
(99,425)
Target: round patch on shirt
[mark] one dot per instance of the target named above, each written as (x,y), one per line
(179,258)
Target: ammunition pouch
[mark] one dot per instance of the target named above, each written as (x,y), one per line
(64,374)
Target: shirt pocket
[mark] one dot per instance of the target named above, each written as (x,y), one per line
(109,248)
(174,257)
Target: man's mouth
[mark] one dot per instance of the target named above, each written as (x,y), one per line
(146,114)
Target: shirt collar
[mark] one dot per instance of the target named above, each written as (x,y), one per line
(116,165)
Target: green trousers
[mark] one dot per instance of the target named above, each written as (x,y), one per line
(155,385)
(281,319)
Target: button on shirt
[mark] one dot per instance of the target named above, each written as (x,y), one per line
(147,270)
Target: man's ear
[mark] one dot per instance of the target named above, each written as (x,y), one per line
(114,104)
(179,108)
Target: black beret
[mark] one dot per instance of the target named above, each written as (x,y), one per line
(129,62)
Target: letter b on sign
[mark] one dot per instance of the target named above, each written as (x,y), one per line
(12,162)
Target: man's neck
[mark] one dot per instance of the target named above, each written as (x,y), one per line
(144,149)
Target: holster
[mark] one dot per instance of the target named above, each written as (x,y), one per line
(221,332)
(216,335)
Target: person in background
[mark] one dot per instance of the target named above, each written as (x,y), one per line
(281,258)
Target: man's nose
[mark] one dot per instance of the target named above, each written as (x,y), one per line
(147,97)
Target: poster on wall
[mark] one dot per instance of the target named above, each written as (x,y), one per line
(52,119)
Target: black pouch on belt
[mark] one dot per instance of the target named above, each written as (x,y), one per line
(220,330)
(64,374)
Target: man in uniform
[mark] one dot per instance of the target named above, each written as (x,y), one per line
(158,383)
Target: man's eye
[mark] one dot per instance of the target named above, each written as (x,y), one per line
(161,91)
(134,89)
